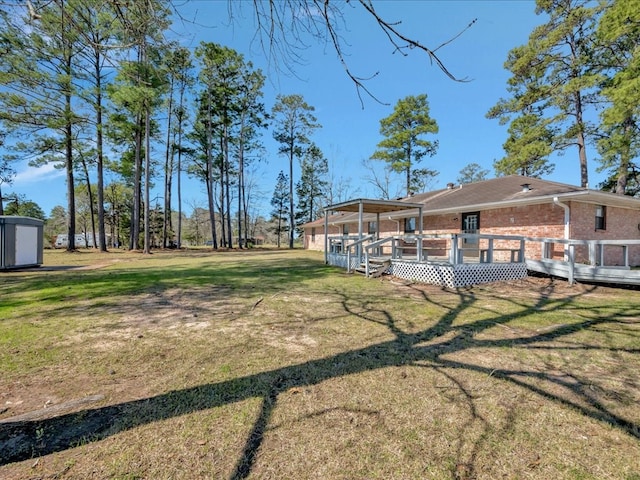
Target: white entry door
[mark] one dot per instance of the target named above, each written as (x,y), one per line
(471,224)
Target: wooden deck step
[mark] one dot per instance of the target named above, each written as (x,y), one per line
(376,267)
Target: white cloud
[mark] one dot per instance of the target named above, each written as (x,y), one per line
(38,174)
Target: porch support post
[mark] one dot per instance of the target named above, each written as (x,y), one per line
(419,241)
(360,221)
(572,264)
(454,252)
(378,251)
(625,253)
(326,237)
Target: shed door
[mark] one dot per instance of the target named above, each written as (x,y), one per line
(26,245)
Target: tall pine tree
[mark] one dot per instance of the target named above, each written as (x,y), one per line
(312,186)
(404,145)
(294,123)
(619,34)
(38,79)
(527,148)
(552,75)
(280,203)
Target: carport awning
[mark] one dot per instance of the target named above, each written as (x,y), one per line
(372,206)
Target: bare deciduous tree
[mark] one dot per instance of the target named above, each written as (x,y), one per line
(284,28)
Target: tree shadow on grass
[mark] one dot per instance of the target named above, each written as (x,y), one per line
(21,440)
(57,292)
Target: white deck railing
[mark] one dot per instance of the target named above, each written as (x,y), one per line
(573,259)
(596,268)
(452,248)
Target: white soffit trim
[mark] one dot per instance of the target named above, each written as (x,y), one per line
(587,196)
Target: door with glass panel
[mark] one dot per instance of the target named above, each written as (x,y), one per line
(471,225)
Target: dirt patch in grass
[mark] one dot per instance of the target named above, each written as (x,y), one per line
(237,375)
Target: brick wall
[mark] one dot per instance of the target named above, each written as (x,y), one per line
(543,220)
(620,224)
(317,243)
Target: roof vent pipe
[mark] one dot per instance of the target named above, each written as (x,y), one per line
(526,187)
(449,186)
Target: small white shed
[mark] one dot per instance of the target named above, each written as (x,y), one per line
(21,242)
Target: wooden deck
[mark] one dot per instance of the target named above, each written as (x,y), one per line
(585,273)
(597,270)
(464,260)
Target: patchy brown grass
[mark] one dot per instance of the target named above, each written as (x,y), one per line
(268,364)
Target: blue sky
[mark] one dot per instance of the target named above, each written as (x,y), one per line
(350,132)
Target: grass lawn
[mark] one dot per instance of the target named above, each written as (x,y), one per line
(267,364)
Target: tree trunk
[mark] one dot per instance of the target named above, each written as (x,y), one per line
(580,140)
(71,231)
(227,188)
(292,221)
(168,172)
(134,237)
(409,171)
(134,241)
(212,217)
(210,181)
(625,157)
(245,214)
(102,240)
(240,191)
(85,168)
(147,179)
(223,227)
(179,184)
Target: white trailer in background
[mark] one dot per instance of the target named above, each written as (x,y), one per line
(21,242)
(82,240)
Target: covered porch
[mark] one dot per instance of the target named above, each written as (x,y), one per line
(361,207)
(452,260)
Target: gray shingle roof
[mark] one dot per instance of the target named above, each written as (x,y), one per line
(496,190)
(496,193)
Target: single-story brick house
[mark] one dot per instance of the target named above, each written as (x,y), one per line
(511,205)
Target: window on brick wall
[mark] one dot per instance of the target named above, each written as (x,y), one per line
(345,229)
(601,217)
(313,234)
(372,227)
(410,225)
